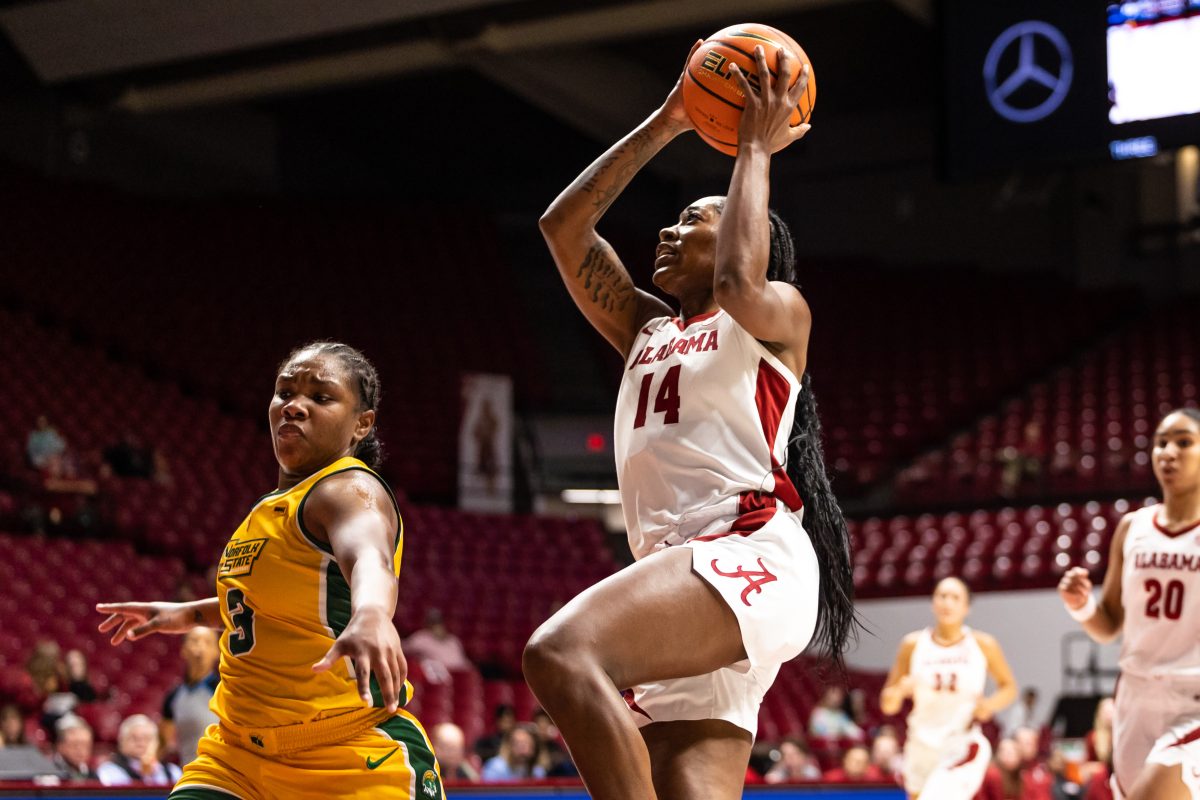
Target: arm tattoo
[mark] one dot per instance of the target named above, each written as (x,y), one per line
(628,158)
(590,184)
(197,617)
(605,280)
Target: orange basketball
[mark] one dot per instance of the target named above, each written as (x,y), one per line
(713,99)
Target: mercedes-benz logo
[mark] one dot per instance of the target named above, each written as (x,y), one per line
(1050,82)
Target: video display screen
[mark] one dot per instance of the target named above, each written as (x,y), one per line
(1153,59)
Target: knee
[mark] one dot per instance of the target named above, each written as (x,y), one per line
(552,655)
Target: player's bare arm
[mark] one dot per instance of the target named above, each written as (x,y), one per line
(132,621)
(1006,684)
(1075,588)
(598,282)
(772,312)
(899,686)
(354,512)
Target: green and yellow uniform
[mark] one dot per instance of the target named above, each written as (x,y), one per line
(284,730)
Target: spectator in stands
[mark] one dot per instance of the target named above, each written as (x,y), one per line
(885,754)
(43,692)
(829,719)
(436,649)
(1036,777)
(1003,778)
(45,447)
(1029,743)
(1100,737)
(796,763)
(1095,772)
(129,458)
(858,712)
(12,725)
(488,745)
(44,668)
(185,711)
(73,749)
(451,748)
(77,681)
(558,761)
(856,768)
(519,758)
(136,759)
(1024,461)
(1022,714)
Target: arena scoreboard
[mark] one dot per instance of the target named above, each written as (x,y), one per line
(1029,82)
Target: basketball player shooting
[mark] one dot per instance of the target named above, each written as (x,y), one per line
(742,552)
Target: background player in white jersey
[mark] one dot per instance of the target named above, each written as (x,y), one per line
(944,670)
(717,443)
(1151,595)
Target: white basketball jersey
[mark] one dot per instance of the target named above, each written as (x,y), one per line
(949,682)
(702,423)
(1160,589)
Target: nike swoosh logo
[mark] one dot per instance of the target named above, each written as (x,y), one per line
(372,764)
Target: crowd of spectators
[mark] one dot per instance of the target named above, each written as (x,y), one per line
(61,485)
(841,745)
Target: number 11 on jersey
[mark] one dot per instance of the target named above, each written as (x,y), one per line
(666,402)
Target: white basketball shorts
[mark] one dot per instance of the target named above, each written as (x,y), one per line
(952,771)
(1156,721)
(769,577)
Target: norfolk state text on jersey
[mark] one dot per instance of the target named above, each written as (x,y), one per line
(239,557)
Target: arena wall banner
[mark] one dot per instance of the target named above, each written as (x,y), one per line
(485,468)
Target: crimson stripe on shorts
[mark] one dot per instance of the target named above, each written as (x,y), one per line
(771,394)
(1191,737)
(629,701)
(755,509)
(972,751)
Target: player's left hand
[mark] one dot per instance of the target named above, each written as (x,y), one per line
(372,643)
(766,118)
(673,108)
(983,710)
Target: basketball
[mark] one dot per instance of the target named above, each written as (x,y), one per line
(711,95)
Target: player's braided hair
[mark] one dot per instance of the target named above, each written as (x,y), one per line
(823,519)
(366,379)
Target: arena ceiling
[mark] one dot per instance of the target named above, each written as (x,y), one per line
(146,56)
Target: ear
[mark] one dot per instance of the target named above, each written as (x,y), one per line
(363,425)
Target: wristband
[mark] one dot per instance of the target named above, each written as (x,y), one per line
(1084,612)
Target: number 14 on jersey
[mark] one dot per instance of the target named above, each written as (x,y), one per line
(666,401)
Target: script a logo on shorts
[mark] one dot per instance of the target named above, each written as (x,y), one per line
(256,739)
(374,764)
(239,557)
(429,784)
(754,579)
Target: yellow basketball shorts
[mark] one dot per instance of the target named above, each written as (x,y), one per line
(392,761)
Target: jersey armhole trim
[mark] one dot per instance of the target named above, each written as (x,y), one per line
(325,547)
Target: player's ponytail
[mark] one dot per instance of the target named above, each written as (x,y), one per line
(826,527)
(365,379)
(823,519)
